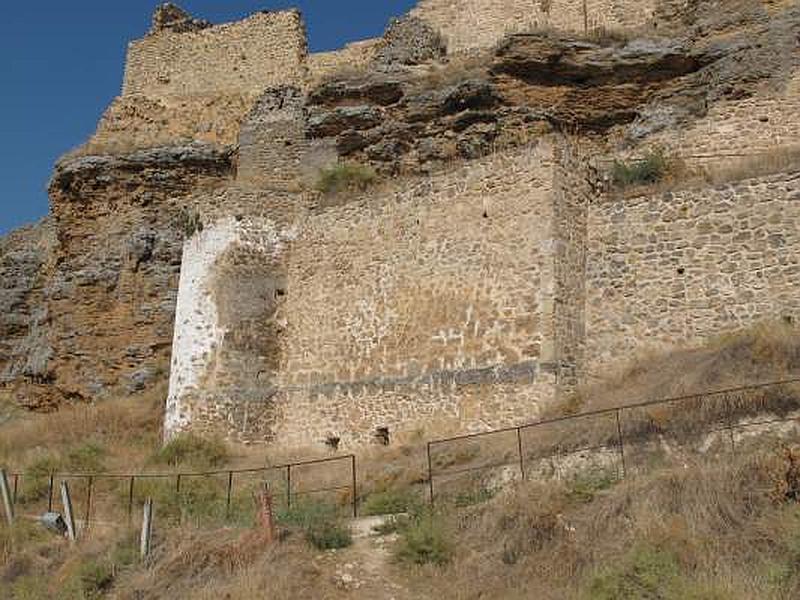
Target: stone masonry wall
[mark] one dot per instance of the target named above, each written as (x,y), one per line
(755,125)
(446,324)
(676,268)
(473,24)
(443,323)
(266,49)
(353,56)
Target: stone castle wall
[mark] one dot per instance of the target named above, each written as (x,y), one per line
(678,267)
(760,124)
(475,24)
(266,49)
(447,324)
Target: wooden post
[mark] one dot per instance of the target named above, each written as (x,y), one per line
(8,505)
(69,516)
(147,528)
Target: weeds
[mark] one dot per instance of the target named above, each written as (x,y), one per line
(322,525)
(389,502)
(192,450)
(586,486)
(651,168)
(424,540)
(644,573)
(345,177)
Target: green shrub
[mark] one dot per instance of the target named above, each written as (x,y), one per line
(649,169)
(389,502)
(321,523)
(645,572)
(586,486)
(189,222)
(95,576)
(86,458)
(424,541)
(476,496)
(35,481)
(344,177)
(192,450)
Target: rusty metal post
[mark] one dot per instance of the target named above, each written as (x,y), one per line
(178,484)
(355,484)
(16,485)
(430,473)
(521,456)
(265,513)
(621,445)
(228,497)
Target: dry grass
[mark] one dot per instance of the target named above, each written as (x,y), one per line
(690,173)
(705,532)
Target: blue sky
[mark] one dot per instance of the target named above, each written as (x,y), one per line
(61,64)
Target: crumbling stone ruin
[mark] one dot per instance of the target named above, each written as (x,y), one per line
(489,269)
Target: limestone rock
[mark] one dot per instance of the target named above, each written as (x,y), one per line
(410,41)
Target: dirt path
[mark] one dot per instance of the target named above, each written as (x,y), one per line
(366,569)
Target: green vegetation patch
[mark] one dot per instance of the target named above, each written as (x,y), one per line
(651,168)
(192,451)
(321,523)
(345,177)
(424,540)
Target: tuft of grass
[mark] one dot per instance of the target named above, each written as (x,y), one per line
(646,572)
(345,177)
(585,486)
(651,168)
(389,502)
(321,523)
(424,540)
(192,450)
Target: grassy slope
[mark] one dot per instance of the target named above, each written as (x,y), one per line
(706,531)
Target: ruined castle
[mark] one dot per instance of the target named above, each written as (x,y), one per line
(490,268)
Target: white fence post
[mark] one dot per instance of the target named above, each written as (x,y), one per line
(147,528)
(69,516)
(5,491)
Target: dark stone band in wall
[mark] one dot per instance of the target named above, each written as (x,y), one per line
(524,372)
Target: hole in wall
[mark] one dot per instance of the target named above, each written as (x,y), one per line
(332,442)
(279,293)
(382,436)
(681,270)
(486,214)
(788,319)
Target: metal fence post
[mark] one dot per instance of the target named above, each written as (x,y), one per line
(16,485)
(228,498)
(288,486)
(521,456)
(130,498)
(355,493)
(50,493)
(178,484)
(621,444)
(89,485)
(430,472)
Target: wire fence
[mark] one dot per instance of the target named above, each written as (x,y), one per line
(217,495)
(623,440)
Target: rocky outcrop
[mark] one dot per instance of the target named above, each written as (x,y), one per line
(88,296)
(25,351)
(410,41)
